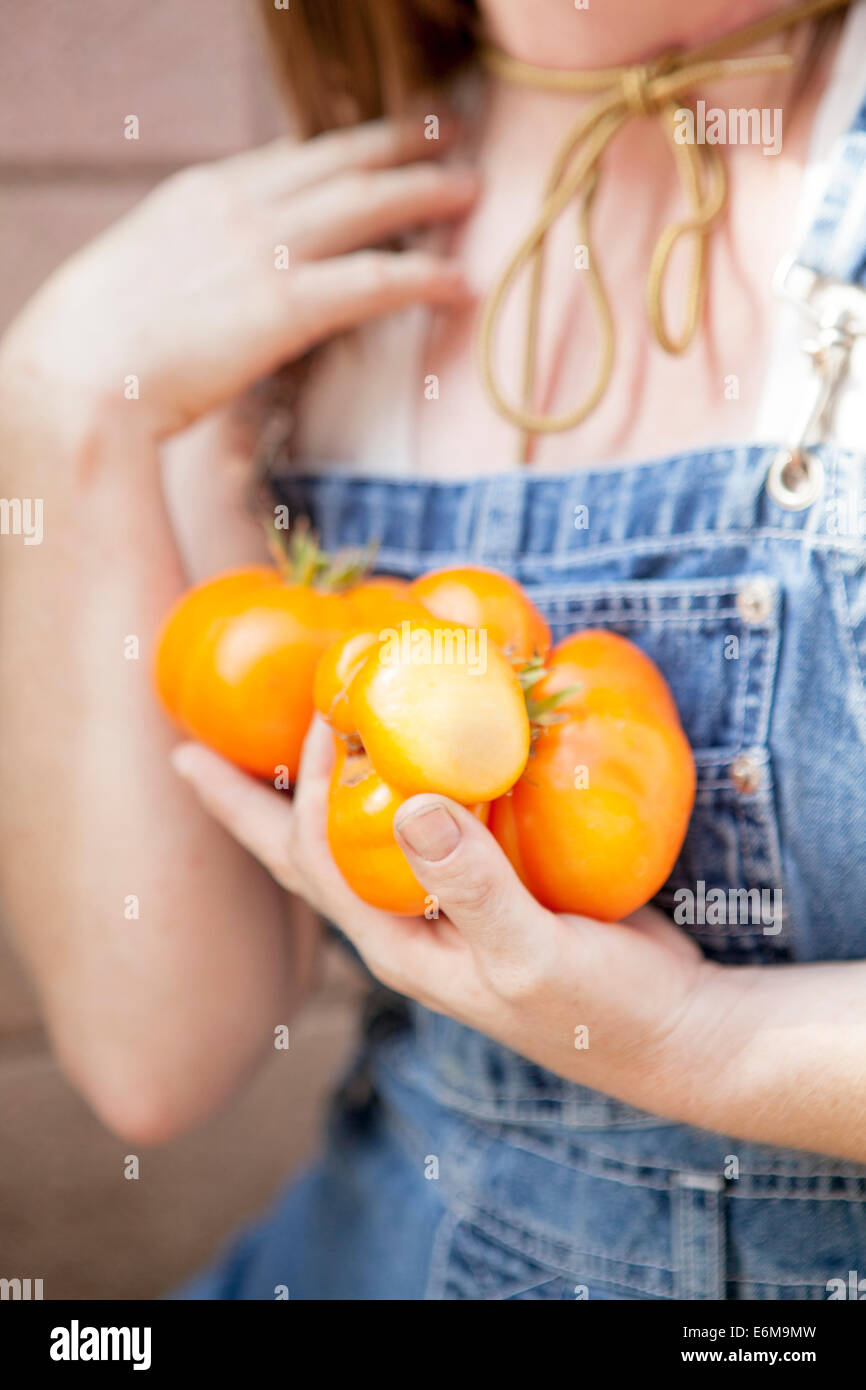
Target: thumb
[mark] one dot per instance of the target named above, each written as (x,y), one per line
(458,861)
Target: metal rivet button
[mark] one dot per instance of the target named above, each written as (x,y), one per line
(746,773)
(795,479)
(755,601)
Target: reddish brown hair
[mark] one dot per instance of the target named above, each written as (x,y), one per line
(345,61)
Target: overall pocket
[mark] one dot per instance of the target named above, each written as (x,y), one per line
(716,642)
(667,1214)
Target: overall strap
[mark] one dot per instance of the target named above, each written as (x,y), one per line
(833,244)
(814,389)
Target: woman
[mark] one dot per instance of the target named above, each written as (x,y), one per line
(710,1141)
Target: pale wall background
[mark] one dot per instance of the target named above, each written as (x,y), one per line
(70,71)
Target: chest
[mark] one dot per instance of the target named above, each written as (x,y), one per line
(656,403)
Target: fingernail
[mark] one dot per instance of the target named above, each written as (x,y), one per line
(432,832)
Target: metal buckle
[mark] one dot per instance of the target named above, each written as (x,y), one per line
(795,479)
(799,284)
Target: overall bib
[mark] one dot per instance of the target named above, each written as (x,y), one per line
(456,1169)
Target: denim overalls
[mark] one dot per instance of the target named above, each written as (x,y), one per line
(456,1169)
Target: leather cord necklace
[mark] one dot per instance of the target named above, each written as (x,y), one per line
(657,89)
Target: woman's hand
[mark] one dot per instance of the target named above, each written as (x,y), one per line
(616,1006)
(228,269)
(776,1055)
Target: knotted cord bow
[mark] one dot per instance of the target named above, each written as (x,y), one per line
(653,89)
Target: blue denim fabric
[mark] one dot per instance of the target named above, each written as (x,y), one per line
(545,1188)
(457,1169)
(835,244)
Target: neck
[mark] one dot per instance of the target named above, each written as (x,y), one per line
(617,33)
(610,33)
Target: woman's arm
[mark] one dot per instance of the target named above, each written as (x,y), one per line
(779,1055)
(158,948)
(773,1055)
(160,951)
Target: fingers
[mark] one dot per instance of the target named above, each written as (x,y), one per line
(331,296)
(360,209)
(314,774)
(402,952)
(458,861)
(258,817)
(284,166)
(291,271)
(316,867)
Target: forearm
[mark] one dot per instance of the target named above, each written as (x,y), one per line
(780,1058)
(159,949)
(94,814)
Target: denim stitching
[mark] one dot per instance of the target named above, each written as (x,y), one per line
(662,588)
(406,561)
(857,677)
(760,855)
(660,1175)
(688,1200)
(730,457)
(542,1284)
(742,683)
(771,658)
(548,1251)
(440,1256)
(718,1239)
(681,1243)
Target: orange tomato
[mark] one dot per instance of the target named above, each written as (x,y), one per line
(597,820)
(337,667)
(438,708)
(484,598)
(235,662)
(379,605)
(361,809)
(198,608)
(383,601)
(426,707)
